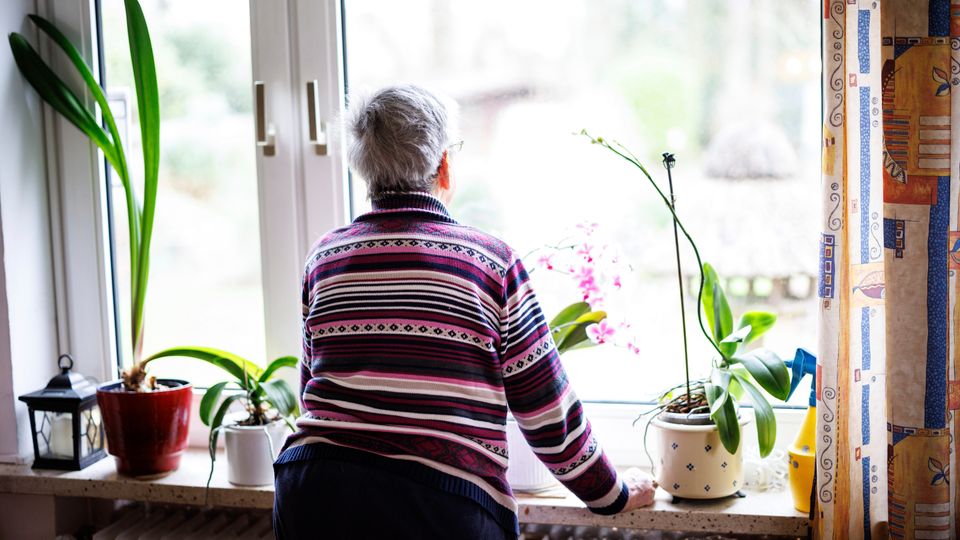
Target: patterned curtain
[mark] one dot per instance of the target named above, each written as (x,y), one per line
(890,248)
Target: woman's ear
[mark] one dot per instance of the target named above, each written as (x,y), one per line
(443,173)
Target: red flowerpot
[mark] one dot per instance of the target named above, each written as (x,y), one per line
(146,431)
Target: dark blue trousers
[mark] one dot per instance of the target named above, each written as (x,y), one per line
(333,500)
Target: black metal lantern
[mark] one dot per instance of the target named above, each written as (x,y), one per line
(65,421)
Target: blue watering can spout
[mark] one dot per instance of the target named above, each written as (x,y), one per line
(803,363)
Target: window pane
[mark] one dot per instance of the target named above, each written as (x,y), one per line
(205,287)
(732,88)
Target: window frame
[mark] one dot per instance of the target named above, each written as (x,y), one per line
(301,195)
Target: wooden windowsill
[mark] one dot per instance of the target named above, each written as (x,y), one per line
(759,513)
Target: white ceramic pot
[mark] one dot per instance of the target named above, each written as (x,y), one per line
(251,451)
(691,462)
(525,472)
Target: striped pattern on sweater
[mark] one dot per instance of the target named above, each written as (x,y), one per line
(419,335)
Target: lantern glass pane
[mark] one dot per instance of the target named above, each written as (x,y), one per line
(91,431)
(54,433)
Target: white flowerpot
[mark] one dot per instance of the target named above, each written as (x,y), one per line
(251,451)
(525,472)
(691,462)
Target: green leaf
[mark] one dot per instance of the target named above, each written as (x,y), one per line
(759,322)
(119,160)
(282,362)
(578,333)
(717,310)
(217,422)
(728,425)
(54,91)
(720,379)
(280,396)
(244,371)
(209,401)
(737,337)
(570,313)
(563,323)
(736,391)
(148,105)
(768,370)
(766,421)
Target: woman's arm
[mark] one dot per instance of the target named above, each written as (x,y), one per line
(306,356)
(548,411)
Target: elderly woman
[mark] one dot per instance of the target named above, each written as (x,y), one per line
(419,334)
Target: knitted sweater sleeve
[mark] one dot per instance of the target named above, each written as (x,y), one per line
(545,406)
(306,356)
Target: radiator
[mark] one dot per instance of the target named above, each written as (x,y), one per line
(180,523)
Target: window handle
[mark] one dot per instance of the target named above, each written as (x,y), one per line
(266,134)
(316,126)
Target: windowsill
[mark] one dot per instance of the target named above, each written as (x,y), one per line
(759,513)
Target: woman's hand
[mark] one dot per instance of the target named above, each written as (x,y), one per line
(641,488)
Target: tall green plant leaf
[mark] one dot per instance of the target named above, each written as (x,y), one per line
(717,310)
(728,425)
(759,322)
(244,371)
(54,91)
(272,367)
(768,370)
(766,421)
(148,107)
(119,162)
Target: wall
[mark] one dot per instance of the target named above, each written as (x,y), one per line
(28,332)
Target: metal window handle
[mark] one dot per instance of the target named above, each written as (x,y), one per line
(266,134)
(316,127)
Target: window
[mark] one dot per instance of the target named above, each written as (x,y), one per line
(732,88)
(205,281)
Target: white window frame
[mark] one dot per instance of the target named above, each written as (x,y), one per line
(82,268)
(301,195)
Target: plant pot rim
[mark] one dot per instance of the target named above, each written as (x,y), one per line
(237,427)
(113,386)
(676,426)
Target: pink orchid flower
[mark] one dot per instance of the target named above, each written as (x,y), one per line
(588,227)
(545,261)
(616,281)
(632,347)
(595,300)
(585,251)
(600,332)
(583,275)
(590,290)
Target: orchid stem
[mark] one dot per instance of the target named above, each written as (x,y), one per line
(669,161)
(636,162)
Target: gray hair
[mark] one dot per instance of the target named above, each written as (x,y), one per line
(397,137)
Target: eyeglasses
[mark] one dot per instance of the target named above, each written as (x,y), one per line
(456,147)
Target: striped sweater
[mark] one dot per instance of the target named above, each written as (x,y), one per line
(419,334)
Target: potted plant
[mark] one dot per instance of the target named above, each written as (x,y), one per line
(699,422)
(140,447)
(253,440)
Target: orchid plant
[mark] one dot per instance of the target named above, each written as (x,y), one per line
(596,268)
(737,372)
